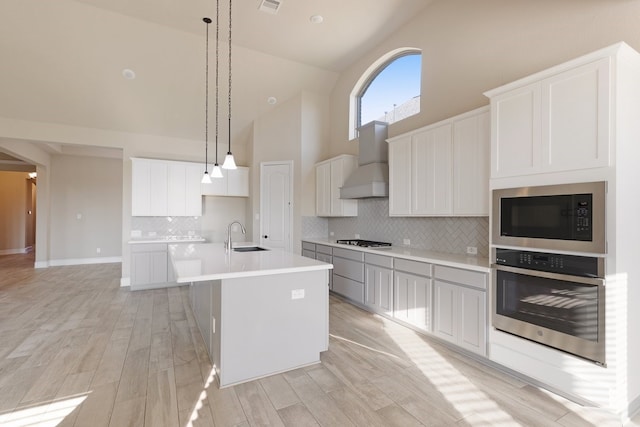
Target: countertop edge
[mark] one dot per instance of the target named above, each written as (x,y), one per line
(432,257)
(252,273)
(168,241)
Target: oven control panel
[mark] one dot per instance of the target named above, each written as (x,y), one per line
(554,263)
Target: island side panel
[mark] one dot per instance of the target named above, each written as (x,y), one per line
(267,326)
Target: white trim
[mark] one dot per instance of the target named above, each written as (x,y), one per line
(13,251)
(41,264)
(82,261)
(125,282)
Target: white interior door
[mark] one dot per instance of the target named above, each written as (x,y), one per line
(276,188)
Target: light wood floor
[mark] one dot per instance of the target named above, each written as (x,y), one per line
(78,350)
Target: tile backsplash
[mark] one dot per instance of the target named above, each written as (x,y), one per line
(442,234)
(167,226)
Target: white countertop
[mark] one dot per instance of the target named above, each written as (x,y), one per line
(209,261)
(166,239)
(441,258)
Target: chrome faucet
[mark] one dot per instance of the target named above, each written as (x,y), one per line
(227,243)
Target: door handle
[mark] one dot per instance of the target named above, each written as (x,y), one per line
(265,236)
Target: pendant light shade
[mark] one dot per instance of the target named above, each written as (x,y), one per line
(229,161)
(206,179)
(216,172)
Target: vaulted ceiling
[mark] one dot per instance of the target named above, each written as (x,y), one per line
(62,61)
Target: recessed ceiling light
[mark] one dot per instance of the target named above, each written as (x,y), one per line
(272,100)
(316,19)
(128,74)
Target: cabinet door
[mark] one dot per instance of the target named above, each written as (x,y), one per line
(176,185)
(400,177)
(340,170)
(323,187)
(329,260)
(158,267)
(140,187)
(238,182)
(378,289)
(472,320)
(445,311)
(471,165)
(431,185)
(412,299)
(193,193)
(515,137)
(575,118)
(140,268)
(158,188)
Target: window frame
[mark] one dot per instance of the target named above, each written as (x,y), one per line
(367,78)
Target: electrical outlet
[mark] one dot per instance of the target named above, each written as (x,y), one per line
(297,294)
(331,233)
(213,325)
(98,250)
(406,242)
(472,250)
(357,236)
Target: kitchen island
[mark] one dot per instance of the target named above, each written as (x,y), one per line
(259,312)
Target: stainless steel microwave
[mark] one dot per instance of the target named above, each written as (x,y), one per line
(568,217)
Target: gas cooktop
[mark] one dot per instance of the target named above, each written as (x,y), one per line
(363,243)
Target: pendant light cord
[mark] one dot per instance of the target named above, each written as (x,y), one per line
(206,101)
(229,76)
(217,68)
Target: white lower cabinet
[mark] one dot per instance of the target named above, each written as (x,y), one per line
(378,283)
(412,293)
(325,254)
(149,264)
(348,274)
(459,308)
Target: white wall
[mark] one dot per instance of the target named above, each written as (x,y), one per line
(469,47)
(91,188)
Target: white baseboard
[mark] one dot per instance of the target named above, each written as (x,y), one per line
(82,261)
(125,281)
(13,251)
(41,264)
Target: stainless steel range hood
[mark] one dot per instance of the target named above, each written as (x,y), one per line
(371,179)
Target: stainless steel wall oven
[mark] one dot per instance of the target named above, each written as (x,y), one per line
(567,217)
(554,299)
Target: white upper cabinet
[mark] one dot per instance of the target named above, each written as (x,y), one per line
(400,176)
(234,182)
(165,188)
(330,176)
(555,122)
(471,165)
(442,169)
(431,167)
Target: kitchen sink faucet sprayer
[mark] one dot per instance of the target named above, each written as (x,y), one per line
(227,243)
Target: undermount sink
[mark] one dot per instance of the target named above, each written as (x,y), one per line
(249,249)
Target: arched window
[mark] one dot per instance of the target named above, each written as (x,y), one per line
(389,90)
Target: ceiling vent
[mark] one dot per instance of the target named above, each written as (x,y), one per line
(270,6)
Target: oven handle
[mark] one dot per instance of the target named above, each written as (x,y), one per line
(547,275)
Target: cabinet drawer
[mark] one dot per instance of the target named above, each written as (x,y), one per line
(414,267)
(380,260)
(309,254)
(350,269)
(349,288)
(349,254)
(475,279)
(309,246)
(148,247)
(323,249)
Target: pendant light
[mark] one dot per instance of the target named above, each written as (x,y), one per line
(206,179)
(229,161)
(217,172)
